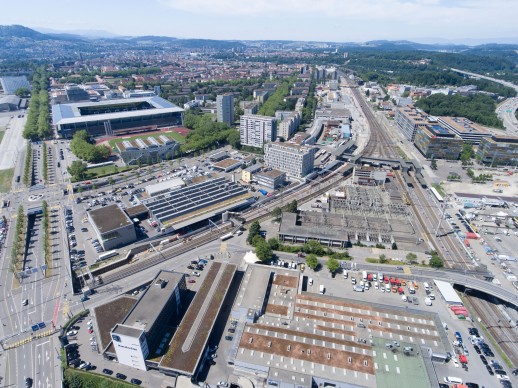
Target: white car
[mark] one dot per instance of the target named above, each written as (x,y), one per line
(72,332)
(84,365)
(222,384)
(195,273)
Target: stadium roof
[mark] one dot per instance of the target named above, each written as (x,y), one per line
(70,113)
(11,84)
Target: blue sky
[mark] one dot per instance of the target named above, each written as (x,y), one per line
(318,20)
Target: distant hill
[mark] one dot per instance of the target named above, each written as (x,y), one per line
(17,31)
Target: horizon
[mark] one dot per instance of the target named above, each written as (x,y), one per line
(461,22)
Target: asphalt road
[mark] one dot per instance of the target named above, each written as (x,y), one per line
(12,143)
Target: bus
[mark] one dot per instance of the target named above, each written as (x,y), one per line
(436,194)
(107,255)
(226,236)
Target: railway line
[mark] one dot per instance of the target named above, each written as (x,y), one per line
(498,326)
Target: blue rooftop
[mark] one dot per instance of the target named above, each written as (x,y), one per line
(439,130)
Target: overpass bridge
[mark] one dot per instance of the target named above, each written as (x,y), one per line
(467,280)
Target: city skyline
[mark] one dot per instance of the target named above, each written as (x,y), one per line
(427,21)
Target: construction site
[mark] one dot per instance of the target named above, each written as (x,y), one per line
(353,214)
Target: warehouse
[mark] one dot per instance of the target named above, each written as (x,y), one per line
(115,117)
(112,226)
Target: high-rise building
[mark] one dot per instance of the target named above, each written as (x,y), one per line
(225,108)
(256,130)
(296,161)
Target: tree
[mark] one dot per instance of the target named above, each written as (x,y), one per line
(22,92)
(312,261)
(254,230)
(313,246)
(433,164)
(394,246)
(77,170)
(292,207)
(333,265)
(277,213)
(383,259)
(263,250)
(436,261)
(274,243)
(411,257)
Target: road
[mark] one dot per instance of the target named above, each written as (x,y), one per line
(505,111)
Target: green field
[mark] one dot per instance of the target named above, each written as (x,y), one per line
(176,136)
(99,172)
(6,179)
(2,133)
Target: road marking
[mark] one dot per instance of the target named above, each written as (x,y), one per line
(46,342)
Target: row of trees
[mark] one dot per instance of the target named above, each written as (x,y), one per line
(84,149)
(477,108)
(44,161)
(207,133)
(18,240)
(482,178)
(38,118)
(27,169)
(276,100)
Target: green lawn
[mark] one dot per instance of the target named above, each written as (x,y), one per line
(99,172)
(439,189)
(2,133)
(6,179)
(176,136)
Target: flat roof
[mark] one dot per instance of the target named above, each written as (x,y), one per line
(464,126)
(70,113)
(153,301)
(253,297)
(254,167)
(136,210)
(165,185)
(127,330)
(448,293)
(190,340)
(487,196)
(110,314)
(109,218)
(201,199)
(290,147)
(227,163)
(271,174)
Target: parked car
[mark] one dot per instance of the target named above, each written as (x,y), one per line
(135,381)
(107,371)
(120,376)
(71,333)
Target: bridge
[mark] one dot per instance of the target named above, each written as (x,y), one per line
(467,280)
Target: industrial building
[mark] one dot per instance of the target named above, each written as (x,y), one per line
(198,202)
(256,130)
(466,129)
(499,150)
(164,187)
(112,226)
(369,176)
(11,84)
(408,119)
(138,336)
(436,142)
(272,179)
(225,108)
(115,117)
(188,349)
(10,103)
(296,161)
(227,165)
(248,173)
(287,335)
(147,150)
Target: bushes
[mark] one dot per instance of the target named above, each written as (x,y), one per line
(18,240)
(84,149)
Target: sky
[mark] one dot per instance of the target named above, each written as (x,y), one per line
(456,21)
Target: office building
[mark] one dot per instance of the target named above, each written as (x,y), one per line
(256,130)
(466,129)
(499,150)
(147,150)
(115,117)
(11,84)
(296,161)
(137,336)
(272,179)
(436,142)
(112,226)
(408,119)
(225,108)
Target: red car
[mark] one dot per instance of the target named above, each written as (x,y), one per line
(191,281)
(90,331)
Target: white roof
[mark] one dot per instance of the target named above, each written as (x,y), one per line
(448,293)
(165,185)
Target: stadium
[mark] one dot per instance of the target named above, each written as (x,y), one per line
(115,117)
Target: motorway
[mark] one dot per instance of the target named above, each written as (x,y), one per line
(505,111)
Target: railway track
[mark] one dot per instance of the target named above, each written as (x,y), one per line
(498,326)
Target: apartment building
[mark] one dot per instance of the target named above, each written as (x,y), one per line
(289,122)
(225,108)
(296,161)
(256,130)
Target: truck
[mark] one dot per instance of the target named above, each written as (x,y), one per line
(322,289)
(364,276)
(263,192)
